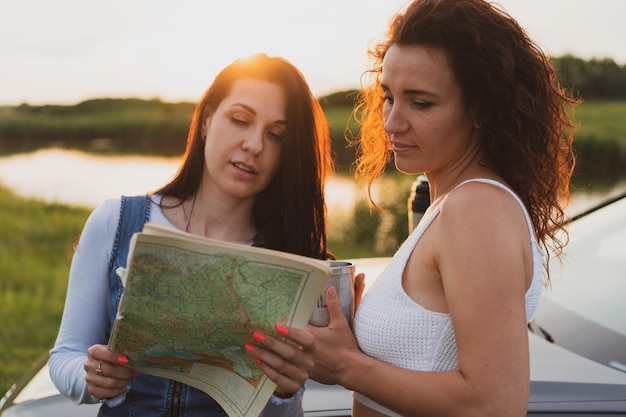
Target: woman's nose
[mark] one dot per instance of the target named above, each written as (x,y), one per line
(253,143)
(394,120)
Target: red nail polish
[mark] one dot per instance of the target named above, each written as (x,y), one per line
(122,360)
(258,336)
(257,360)
(282,330)
(135,375)
(249,347)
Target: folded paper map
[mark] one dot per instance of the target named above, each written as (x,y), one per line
(190,304)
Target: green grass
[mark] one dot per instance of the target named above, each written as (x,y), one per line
(36,246)
(602,120)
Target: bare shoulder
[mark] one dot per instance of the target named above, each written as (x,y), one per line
(484,237)
(478,208)
(480,199)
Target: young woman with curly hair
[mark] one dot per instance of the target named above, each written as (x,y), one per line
(461,94)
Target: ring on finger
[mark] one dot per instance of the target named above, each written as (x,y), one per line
(99,369)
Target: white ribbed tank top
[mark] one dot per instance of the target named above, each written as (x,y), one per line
(392,328)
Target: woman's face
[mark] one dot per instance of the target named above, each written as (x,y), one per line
(429,125)
(243,140)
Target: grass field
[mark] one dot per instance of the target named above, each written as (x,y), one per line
(602,120)
(36,245)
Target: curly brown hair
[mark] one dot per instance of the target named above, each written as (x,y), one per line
(526,116)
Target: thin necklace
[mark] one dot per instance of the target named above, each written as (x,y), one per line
(188,218)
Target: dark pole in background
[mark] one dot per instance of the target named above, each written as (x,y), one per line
(418,201)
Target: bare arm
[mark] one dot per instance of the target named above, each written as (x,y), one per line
(480,255)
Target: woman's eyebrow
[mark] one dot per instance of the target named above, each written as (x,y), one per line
(411,91)
(252,111)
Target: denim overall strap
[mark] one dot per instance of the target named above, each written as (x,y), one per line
(134,213)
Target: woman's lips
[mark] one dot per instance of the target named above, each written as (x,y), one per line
(247,168)
(400,147)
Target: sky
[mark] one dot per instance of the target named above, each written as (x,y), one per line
(67,51)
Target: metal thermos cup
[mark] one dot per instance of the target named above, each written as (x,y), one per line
(342,278)
(418,201)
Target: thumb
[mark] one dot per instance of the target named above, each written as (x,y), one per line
(359,288)
(334,305)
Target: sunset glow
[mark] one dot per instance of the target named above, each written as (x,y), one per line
(66,51)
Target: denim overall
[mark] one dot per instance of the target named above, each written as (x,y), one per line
(148,396)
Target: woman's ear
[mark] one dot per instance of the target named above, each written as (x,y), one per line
(205,128)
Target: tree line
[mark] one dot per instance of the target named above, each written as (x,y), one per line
(594,79)
(155,127)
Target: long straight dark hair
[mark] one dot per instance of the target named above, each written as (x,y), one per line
(290,213)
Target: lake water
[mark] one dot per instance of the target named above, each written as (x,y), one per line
(78,178)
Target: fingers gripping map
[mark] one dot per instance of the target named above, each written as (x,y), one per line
(191,304)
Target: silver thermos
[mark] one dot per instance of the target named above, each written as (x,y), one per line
(418,201)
